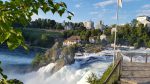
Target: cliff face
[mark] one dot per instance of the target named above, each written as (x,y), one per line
(60,55)
(68,54)
(54,52)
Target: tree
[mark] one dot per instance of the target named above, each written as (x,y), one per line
(134,23)
(52,24)
(15,11)
(21,11)
(59,26)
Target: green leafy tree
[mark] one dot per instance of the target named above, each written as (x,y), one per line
(20,11)
(134,23)
(59,26)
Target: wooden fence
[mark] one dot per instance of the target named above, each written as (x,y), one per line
(115,74)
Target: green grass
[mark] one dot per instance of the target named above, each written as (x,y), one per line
(106,74)
(94,80)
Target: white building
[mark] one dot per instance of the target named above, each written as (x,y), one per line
(68,26)
(103,37)
(89,24)
(100,26)
(92,39)
(72,40)
(144,20)
(113,30)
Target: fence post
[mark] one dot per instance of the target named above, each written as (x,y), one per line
(131,58)
(119,71)
(146,58)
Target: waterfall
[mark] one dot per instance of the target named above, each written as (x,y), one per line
(76,73)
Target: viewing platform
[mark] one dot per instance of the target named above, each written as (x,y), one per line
(135,73)
(129,71)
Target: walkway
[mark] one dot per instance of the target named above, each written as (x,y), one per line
(135,73)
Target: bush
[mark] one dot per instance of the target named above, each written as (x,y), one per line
(36,61)
(94,80)
(136,45)
(11,81)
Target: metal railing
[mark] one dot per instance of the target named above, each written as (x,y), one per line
(115,73)
(145,56)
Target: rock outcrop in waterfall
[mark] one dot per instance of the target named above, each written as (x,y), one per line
(61,55)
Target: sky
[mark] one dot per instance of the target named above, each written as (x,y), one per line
(105,10)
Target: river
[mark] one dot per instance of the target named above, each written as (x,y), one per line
(16,64)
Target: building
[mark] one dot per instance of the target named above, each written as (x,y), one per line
(144,20)
(89,24)
(100,25)
(113,30)
(103,37)
(92,39)
(72,40)
(68,26)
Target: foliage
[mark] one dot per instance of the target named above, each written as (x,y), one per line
(15,11)
(4,80)
(42,24)
(41,38)
(59,26)
(106,73)
(37,59)
(84,34)
(12,81)
(93,79)
(132,34)
(4,77)
(92,48)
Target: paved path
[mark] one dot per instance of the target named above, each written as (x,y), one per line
(135,73)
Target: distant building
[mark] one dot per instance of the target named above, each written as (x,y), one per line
(100,25)
(72,40)
(103,37)
(89,24)
(68,26)
(113,30)
(92,39)
(144,20)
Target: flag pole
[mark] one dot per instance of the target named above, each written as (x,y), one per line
(115,38)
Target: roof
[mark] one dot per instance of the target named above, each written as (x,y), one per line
(143,16)
(73,38)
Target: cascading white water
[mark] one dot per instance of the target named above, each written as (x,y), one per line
(76,73)
(138,57)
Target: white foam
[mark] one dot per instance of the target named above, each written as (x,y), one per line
(76,73)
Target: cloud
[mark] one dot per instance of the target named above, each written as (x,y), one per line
(104,3)
(94,13)
(146,6)
(145,10)
(108,2)
(78,5)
